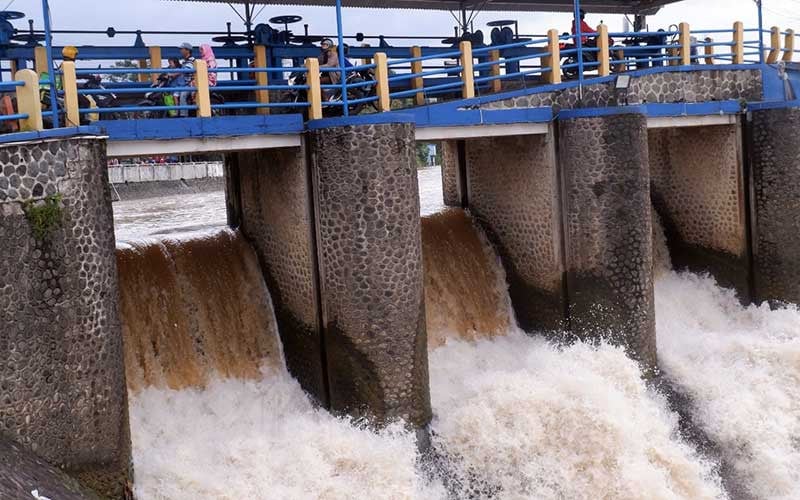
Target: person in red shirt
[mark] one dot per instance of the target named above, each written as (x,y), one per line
(585,28)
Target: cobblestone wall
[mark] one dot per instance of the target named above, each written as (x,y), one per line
(275,214)
(698,190)
(61,367)
(688,86)
(370,257)
(515,195)
(604,161)
(775,174)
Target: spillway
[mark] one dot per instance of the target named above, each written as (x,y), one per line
(214,413)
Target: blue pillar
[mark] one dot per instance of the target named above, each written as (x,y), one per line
(760,32)
(340,36)
(48,43)
(579,44)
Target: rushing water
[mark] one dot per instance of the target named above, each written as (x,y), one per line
(515,417)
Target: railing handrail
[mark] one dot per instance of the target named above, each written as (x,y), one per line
(466,68)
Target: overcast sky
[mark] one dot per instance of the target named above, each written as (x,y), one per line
(161,14)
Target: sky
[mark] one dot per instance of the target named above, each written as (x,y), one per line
(168,15)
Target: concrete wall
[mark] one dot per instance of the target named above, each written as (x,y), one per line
(370,259)
(604,161)
(691,86)
(271,193)
(698,191)
(453,185)
(61,364)
(159,172)
(775,207)
(514,193)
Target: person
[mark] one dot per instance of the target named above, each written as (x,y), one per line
(329,58)
(187,62)
(585,29)
(173,80)
(207,54)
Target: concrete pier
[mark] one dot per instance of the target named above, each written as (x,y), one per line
(61,364)
(454,182)
(514,193)
(604,161)
(775,203)
(699,191)
(370,261)
(269,200)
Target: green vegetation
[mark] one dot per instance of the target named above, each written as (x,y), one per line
(44,216)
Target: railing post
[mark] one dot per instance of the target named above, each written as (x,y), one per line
(203,94)
(788,46)
(143,77)
(467,71)
(738,42)
(262,79)
(553,61)
(366,60)
(40,60)
(708,50)
(417,83)
(621,65)
(604,67)
(382,82)
(314,92)
(155,62)
(685,40)
(673,52)
(28,100)
(70,85)
(774,45)
(494,70)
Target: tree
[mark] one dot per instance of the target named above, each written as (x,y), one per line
(126,77)
(422,154)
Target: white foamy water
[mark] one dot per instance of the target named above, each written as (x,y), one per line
(517,417)
(741,366)
(248,440)
(525,419)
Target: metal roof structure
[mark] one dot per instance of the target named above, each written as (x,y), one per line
(594,6)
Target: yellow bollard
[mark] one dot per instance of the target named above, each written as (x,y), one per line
(262,96)
(685,42)
(467,71)
(604,67)
(709,50)
(202,94)
(738,43)
(382,79)
(417,83)
(553,61)
(40,60)
(155,62)
(70,84)
(314,90)
(494,70)
(788,46)
(28,100)
(774,45)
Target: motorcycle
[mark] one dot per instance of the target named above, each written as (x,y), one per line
(299,95)
(159,99)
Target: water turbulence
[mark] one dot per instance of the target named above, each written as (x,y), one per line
(465,287)
(192,309)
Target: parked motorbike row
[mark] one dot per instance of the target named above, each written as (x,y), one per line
(107,100)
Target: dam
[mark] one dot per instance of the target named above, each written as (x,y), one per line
(596,290)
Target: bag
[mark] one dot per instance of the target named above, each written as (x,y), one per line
(169,100)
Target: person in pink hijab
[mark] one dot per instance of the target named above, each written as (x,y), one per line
(207,54)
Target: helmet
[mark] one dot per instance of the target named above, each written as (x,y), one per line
(69,52)
(327,40)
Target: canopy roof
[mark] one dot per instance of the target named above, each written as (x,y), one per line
(592,6)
